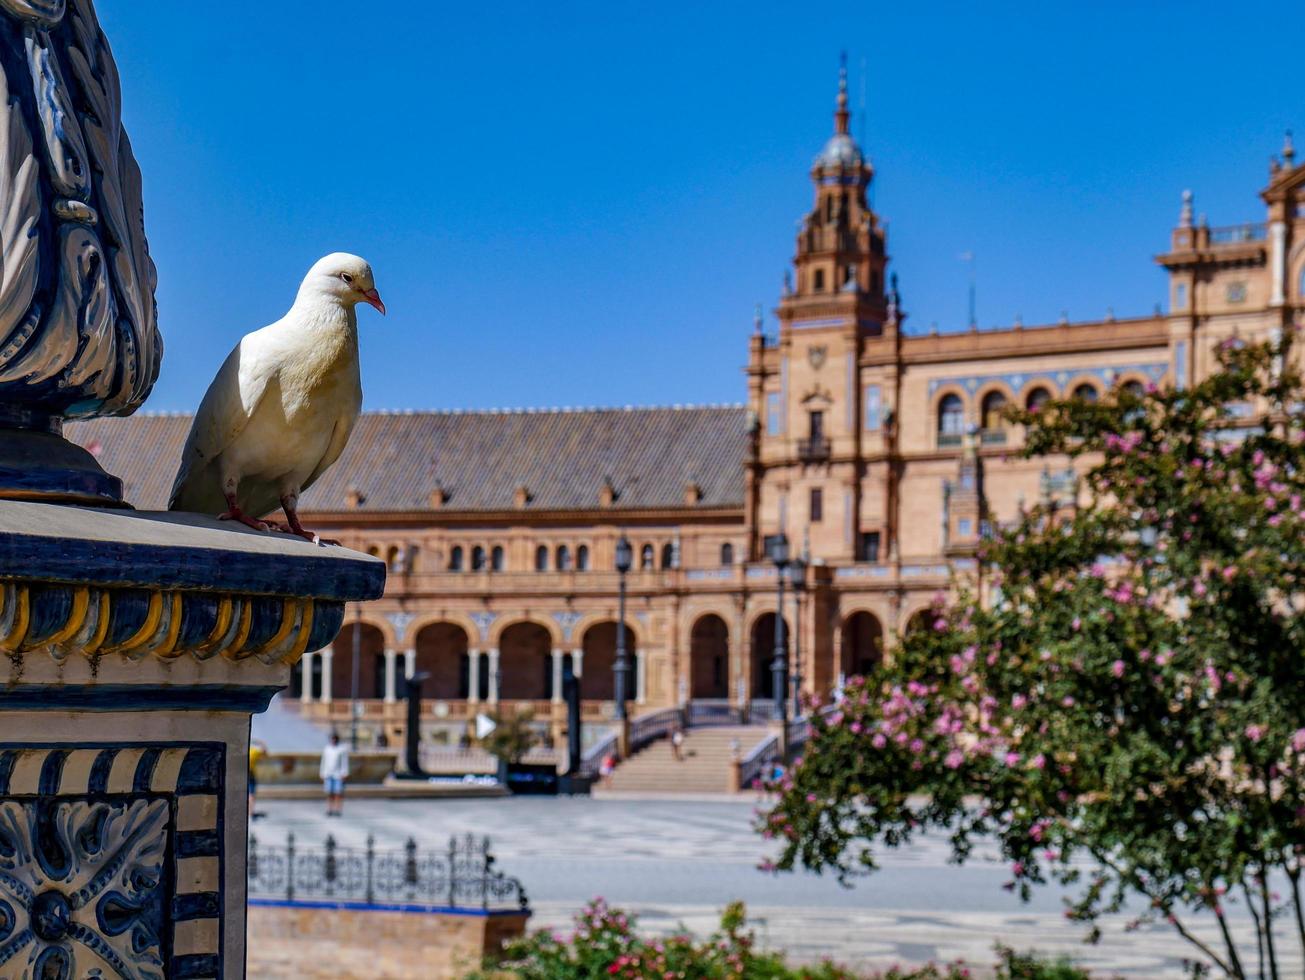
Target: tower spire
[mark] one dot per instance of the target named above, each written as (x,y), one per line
(841,114)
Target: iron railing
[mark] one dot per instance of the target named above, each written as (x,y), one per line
(591,760)
(1233,234)
(647,728)
(815,448)
(702,713)
(459,877)
(755,766)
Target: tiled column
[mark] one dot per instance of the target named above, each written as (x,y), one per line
(557,676)
(493,676)
(389,675)
(306,675)
(473,676)
(327,655)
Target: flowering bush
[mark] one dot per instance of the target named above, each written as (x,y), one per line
(605,944)
(1124,689)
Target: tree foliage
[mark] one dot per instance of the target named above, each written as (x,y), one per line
(1124,689)
(513,736)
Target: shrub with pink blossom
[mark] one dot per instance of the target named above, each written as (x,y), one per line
(1123,688)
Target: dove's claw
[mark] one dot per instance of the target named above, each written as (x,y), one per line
(235,514)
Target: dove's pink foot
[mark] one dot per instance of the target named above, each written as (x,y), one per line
(292,517)
(234,513)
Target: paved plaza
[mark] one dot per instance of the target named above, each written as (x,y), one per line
(678,862)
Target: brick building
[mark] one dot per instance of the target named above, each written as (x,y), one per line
(879,452)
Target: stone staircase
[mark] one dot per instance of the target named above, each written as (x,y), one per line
(706,767)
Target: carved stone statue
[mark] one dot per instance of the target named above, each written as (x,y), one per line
(78,329)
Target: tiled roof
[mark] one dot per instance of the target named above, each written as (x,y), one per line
(395,460)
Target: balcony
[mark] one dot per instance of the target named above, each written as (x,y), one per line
(813,450)
(949,440)
(992,437)
(1237,234)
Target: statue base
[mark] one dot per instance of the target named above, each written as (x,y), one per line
(39,464)
(138,646)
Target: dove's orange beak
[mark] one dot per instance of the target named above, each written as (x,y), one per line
(374,299)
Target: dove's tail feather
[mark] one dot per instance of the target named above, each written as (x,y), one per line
(198,491)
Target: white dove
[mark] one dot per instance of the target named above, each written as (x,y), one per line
(282,406)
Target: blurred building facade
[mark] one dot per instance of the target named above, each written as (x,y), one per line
(880,453)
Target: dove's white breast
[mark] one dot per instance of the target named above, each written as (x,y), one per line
(314,390)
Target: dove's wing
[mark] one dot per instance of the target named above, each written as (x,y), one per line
(228,405)
(339,439)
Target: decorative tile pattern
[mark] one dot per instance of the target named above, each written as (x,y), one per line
(111,860)
(1016,380)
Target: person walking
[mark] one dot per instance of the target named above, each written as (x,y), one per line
(334,771)
(677,744)
(606,768)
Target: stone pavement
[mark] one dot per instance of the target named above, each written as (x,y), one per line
(678,862)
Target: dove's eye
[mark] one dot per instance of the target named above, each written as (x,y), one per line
(348,279)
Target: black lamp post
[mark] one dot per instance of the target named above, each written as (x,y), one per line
(798,573)
(779,666)
(353,684)
(621,670)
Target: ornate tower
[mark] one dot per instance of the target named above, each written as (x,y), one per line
(840,255)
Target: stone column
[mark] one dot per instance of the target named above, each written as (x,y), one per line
(409,663)
(473,676)
(389,675)
(306,673)
(1277,263)
(328,670)
(557,676)
(578,662)
(640,677)
(493,675)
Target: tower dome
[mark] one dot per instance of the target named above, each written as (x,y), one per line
(841,151)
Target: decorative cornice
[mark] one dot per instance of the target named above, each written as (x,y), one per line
(70,620)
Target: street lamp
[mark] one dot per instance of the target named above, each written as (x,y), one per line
(779,666)
(353,684)
(621,670)
(798,573)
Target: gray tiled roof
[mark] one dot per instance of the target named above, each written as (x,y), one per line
(396,459)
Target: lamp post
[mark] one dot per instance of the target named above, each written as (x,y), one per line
(353,684)
(779,666)
(798,573)
(621,670)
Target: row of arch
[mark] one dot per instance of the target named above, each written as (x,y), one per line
(951,412)
(526,669)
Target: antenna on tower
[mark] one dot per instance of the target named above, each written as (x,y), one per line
(862,109)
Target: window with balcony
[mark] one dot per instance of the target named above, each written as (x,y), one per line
(1037,398)
(496,558)
(815,445)
(563,563)
(993,418)
(951,420)
(582,558)
(816,505)
(668,555)
(874,408)
(646,557)
(455,559)
(727,554)
(541,558)
(868,546)
(478,559)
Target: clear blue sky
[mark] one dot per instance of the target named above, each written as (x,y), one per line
(580,204)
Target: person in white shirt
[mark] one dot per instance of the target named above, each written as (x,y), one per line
(334,771)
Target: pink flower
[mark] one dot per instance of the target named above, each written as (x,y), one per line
(1012,758)
(1076,624)
(954,759)
(1230,573)
(1117,668)
(1255,732)
(917,746)
(1067,701)
(856,727)
(1298,740)
(879,741)
(1039,761)
(1018,701)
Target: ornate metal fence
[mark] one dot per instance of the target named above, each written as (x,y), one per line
(461,877)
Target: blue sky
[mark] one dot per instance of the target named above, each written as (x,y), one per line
(580,204)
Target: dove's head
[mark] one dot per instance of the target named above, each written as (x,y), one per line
(345,277)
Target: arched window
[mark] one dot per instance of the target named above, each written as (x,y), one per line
(541,559)
(646,556)
(563,558)
(1134,388)
(455,559)
(992,412)
(818,281)
(478,559)
(374,551)
(1037,398)
(668,555)
(496,558)
(582,558)
(727,554)
(1086,392)
(951,420)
